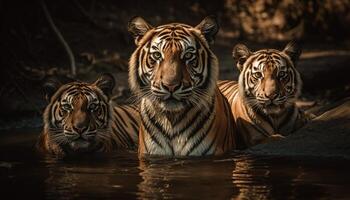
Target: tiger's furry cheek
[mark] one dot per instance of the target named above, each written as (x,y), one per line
(193,63)
(151,61)
(288,89)
(248,92)
(251,84)
(99,111)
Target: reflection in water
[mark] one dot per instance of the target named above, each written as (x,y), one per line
(259,178)
(240,177)
(188,179)
(122,176)
(250,178)
(91,177)
(74,181)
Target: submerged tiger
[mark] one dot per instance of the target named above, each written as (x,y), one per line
(80,119)
(173,73)
(263,100)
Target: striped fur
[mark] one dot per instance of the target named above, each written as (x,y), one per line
(80,118)
(173,74)
(263,100)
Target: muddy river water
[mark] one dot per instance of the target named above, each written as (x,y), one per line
(121,175)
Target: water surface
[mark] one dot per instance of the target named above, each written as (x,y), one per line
(122,175)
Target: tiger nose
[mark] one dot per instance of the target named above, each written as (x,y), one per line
(271,89)
(271,93)
(172,87)
(271,96)
(80,122)
(80,130)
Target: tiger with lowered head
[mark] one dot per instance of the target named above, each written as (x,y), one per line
(80,119)
(173,73)
(263,100)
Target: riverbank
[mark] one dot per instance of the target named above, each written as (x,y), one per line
(328,135)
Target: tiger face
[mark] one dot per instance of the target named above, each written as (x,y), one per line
(269,81)
(76,118)
(173,66)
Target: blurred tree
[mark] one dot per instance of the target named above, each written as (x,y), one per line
(265,20)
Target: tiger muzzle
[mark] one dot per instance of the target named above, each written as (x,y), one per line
(80,128)
(171,76)
(171,87)
(172,81)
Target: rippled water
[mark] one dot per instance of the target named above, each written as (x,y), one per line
(122,176)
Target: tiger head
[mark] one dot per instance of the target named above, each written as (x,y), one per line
(173,66)
(76,118)
(268,79)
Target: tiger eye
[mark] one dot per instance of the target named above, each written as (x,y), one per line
(188,55)
(257,74)
(157,55)
(66,107)
(282,74)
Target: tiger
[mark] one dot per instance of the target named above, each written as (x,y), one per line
(173,75)
(263,99)
(80,119)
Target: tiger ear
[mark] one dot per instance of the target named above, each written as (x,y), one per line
(138,27)
(209,27)
(240,54)
(293,50)
(106,83)
(50,86)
